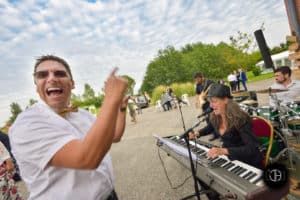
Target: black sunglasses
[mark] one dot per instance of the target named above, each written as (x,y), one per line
(45,74)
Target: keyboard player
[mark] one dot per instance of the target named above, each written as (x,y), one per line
(234,127)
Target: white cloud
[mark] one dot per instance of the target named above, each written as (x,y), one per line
(95,37)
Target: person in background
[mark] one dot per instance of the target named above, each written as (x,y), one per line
(222,82)
(8,188)
(232,81)
(138,105)
(63,151)
(5,141)
(283,81)
(132,109)
(237,83)
(202,87)
(146,95)
(169,91)
(243,78)
(166,101)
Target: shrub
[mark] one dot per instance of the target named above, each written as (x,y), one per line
(256,71)
(178,89)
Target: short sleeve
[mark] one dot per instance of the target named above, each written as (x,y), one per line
(36,136)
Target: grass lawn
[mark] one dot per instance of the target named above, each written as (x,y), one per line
(252,78)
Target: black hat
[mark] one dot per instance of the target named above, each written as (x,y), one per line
(219,90)
(198,74)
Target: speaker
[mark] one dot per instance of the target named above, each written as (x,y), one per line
(264,50)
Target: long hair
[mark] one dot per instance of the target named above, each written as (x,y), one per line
(235,116)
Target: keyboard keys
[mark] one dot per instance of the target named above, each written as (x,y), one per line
(241,169)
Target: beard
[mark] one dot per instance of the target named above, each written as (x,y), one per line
(282,81)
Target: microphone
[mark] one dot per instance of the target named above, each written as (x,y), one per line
(180,101)
(206,112)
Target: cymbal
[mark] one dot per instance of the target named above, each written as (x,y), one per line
(240,94)
(270,90)
(249,102)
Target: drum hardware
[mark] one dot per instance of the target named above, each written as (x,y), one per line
(270,90)
(251,110)
(249,102)
(278,133)
(281,154)
(242,96)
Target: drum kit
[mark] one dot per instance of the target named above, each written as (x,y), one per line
(285,118)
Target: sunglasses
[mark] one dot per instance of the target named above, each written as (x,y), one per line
(45,74)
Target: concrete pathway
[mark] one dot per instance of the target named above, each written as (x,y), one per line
(138,169)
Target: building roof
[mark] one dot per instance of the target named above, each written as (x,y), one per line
(278,56)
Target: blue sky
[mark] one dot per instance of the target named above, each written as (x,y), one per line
(95,36)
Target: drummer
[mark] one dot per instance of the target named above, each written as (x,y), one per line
(283,81)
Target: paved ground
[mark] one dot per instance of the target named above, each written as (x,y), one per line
(138,170)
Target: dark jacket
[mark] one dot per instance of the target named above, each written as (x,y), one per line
(241,144)
(243,76)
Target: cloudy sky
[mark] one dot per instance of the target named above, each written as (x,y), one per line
(95,36)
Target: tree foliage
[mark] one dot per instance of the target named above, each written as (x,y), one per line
(15,110)
(131,84)
(31,102)
(88,98)
(88,93)
(178,66)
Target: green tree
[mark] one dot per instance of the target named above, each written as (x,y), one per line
(179,66)
(131,84)
(165,69)
(31,102)
(245,42)
(15,110)
(278,49)
(88,93)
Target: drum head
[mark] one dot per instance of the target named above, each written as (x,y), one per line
(294,124)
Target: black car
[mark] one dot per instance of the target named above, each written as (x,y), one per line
(141,102)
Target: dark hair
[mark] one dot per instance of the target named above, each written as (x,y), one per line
(43,58)
(284,70)
(198,74)
(235,116)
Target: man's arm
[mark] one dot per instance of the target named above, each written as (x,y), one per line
(121,120)
(89,152)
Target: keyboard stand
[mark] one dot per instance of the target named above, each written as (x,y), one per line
(197,192)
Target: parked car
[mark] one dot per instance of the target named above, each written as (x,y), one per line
(141,102)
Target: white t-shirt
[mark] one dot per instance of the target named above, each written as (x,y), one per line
(231,77)
(291,95)
(37,134)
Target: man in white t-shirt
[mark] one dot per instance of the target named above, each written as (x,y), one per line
(64,154)
(232,81)
(284,82)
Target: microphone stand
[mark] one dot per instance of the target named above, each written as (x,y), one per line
(179,106)
(185,135)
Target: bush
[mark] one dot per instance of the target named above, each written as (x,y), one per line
(256,71)
(156,94)
(178,89)
(181,88)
